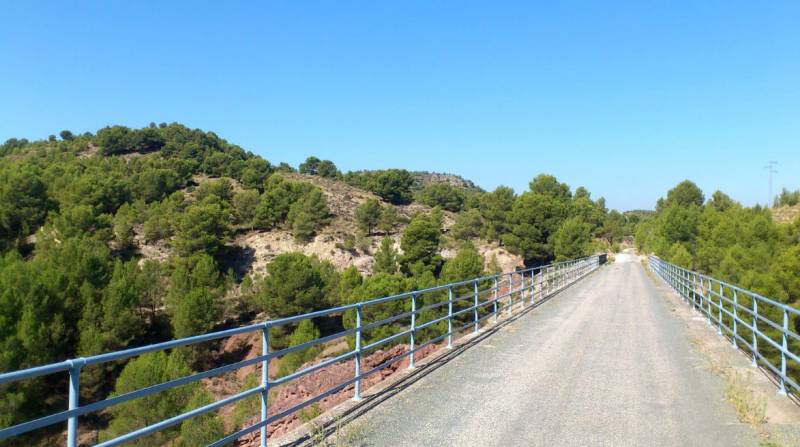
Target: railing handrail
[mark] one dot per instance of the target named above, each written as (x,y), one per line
(552,278)
(687,282)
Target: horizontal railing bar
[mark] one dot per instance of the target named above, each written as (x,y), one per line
(136,434)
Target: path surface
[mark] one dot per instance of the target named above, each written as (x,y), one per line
(604,363)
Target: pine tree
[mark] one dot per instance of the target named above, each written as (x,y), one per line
(385,260)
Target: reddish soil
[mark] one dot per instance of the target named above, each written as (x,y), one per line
(310,385)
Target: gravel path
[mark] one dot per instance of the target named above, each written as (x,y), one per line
(604,363)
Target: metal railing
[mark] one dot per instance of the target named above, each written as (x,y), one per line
(745,317)
(469,304)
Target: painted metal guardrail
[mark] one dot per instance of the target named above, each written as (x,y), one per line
(468,304)
(746,317)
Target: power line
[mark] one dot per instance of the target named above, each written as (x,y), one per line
(770,167)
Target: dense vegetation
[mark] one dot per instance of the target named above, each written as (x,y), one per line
(75,210)
(722,238)
(736,244)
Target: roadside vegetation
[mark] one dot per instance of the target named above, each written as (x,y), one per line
(740,245)
(76,212)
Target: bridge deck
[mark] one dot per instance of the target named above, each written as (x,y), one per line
(604,363)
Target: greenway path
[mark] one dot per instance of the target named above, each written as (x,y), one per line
(604,363)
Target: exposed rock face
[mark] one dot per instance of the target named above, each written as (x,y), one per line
(426,178)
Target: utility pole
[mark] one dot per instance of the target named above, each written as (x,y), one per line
(770,167)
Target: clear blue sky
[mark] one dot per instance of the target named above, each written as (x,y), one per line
(625,98)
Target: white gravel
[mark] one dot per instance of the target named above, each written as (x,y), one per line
(604,363)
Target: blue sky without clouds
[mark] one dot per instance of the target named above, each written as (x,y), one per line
(625,98)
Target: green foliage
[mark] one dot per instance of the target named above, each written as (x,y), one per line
(788,198)
(380,285)
(393,185)
(245,204)
(315,166)
(141,372)
(468,225)
(195,314)
(467,264)
(203,429)
(388,220)
(442,195)
(194,287)
(547,185)
(154,184)
(684,194)
(572,239)
(119,139)
(295,284)
(221,189)
(204,226)
(534,218)
(23,202)
(613,227)
(306,331)
(385,259)
(368,215)
(350,279)
(495,208)
(300,204)
(308,214)
(123,227)
(420,243)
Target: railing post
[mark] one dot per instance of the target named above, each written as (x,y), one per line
(784,349)
(413,329)
(264,381)
(708,302)
(755,331)
(735,317)
(494,298)
(74,398)
(357,362)
(475,310)
(719,308)
(510,293)
(541,284)
(532,291)
(450,317)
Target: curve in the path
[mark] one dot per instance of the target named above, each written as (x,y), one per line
(604,363)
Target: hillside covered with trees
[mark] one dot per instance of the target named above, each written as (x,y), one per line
(129,236)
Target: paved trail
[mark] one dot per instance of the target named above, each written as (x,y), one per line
(604,363)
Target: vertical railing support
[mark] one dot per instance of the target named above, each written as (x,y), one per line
(475,306)
(357,361)
(735,318)
(494,298)
(264,381)
(784,350)
(450,317)
(510,294)
(532,290)
(719,307)
(413,330)
(74,401)
(755,331)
